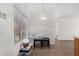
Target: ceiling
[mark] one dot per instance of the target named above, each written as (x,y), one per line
(52,10)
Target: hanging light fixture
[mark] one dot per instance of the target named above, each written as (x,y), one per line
(43,15)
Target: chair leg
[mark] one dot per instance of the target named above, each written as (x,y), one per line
(48,43)
(41,44)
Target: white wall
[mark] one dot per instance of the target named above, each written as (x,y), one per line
(68,28)
(7,45)
(6,30)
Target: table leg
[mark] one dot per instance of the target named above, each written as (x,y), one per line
(34,44)
(41,44)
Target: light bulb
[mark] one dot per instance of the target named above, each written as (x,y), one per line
(43,18)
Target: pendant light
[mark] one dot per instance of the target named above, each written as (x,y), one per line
(43,15)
